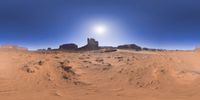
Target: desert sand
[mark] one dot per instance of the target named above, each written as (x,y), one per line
(96,75)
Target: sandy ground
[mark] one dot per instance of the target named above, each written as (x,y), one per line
(121,75)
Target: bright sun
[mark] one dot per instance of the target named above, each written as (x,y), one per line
(100,29)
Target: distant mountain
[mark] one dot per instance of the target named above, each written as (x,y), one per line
(130,46)
(12,47)
(197,49)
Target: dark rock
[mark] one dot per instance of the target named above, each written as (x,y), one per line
(150,49)
(40,62)
(49,49)
(146,49)
(67,68)
(92,44)
(130,46)
(68,47)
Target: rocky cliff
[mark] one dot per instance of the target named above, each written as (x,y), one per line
(92,44)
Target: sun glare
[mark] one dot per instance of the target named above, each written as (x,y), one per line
(100,29)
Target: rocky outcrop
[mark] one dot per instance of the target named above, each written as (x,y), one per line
(130,46)
(151,49)
(68,47)
(92,44)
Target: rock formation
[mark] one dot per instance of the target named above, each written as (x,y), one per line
(68,47)
(92,44)
(130,46)
(151,49)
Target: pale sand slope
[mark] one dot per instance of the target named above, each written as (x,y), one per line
(121,75)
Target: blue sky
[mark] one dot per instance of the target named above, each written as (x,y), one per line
(169,24)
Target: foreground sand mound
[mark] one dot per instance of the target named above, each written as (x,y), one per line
(122,75)
(53,70)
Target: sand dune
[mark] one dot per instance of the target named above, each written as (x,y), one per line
(120,75)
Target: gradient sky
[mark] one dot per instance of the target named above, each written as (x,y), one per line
(170,24)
